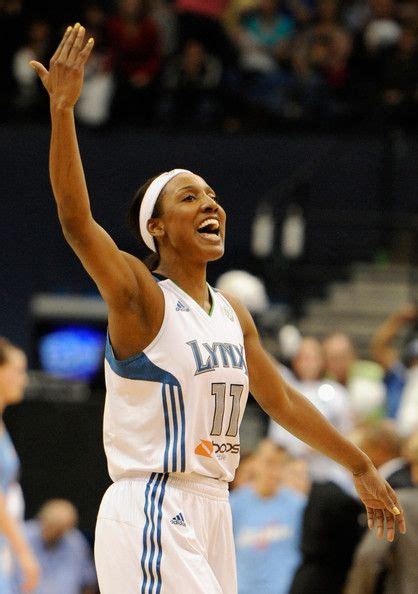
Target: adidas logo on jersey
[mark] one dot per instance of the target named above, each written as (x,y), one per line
(178,520)
(181,307)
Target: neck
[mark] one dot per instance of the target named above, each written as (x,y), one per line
(189,277)
(264,491)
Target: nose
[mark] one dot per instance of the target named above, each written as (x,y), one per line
(209,204)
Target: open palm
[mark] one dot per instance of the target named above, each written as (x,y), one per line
(64,79)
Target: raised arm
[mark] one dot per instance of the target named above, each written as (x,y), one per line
(296,414)
(381,345)
(133,297)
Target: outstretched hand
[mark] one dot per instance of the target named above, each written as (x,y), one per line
(64,79)
(381,503)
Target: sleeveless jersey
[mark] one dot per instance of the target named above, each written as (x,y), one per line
(177,406)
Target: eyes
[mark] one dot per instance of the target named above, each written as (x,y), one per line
(192,197)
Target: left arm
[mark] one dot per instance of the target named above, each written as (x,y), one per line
(295,413)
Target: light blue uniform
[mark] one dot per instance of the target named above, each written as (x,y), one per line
(267,538)
(9,471)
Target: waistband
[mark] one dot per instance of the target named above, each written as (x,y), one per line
(191,482)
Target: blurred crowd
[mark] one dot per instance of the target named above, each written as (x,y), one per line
(299,526)
(224,63)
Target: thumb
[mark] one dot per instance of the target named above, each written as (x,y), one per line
(40,69)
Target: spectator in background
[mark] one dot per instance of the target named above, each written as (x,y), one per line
(264,42)
(333,524)
(399,78)
(321,65)
(62,551)
(267,519)
(382,443)
(389,357)
(307,376)
(190,82)
(397,560)
(12,542)
(94,105)
(28,96)
(202,20)
(135,53)
(363,379)
(12,37)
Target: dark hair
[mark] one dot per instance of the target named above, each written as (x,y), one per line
(5,347)
(152,260)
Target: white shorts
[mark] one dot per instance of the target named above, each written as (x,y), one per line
(163,534)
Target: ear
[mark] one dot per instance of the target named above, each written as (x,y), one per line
(156,227)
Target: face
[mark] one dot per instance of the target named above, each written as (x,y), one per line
(268,468)
(339,356)
(192,223)
(13,377)
(309,361)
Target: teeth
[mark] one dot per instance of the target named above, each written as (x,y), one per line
(213,222)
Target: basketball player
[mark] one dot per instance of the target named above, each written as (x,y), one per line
(13,543)
(180,358)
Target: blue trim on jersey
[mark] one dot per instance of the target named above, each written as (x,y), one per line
(140,367)
(167,426)
(144,534)
(159,546)
(152,535)
(183,432)
(176,429)
(150,577)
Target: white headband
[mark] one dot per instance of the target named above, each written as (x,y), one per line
(148,204)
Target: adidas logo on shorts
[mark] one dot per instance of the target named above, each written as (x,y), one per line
(181,307)
(178,520)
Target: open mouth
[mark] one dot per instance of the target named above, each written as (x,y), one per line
(209,229)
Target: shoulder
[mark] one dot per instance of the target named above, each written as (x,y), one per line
(242,313)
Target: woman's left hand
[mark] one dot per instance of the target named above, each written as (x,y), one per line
(381,503)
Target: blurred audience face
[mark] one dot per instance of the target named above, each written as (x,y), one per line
(408,41)
(193,56)
(57,517)
(38,31)
(308,363)
(339,356)
(382,9)
(269,461)
(380,441)
(131,9)
(268,8)
(327,11)
(13,376)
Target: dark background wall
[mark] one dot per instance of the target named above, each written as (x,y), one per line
(342,179)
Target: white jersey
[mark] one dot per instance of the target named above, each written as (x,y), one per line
(177,406)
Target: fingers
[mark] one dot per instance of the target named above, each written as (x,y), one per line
(390,526)
(370,517)
(39,68)
(83,56)
(68,43)
(380,522)
(77,43)
(61,45)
